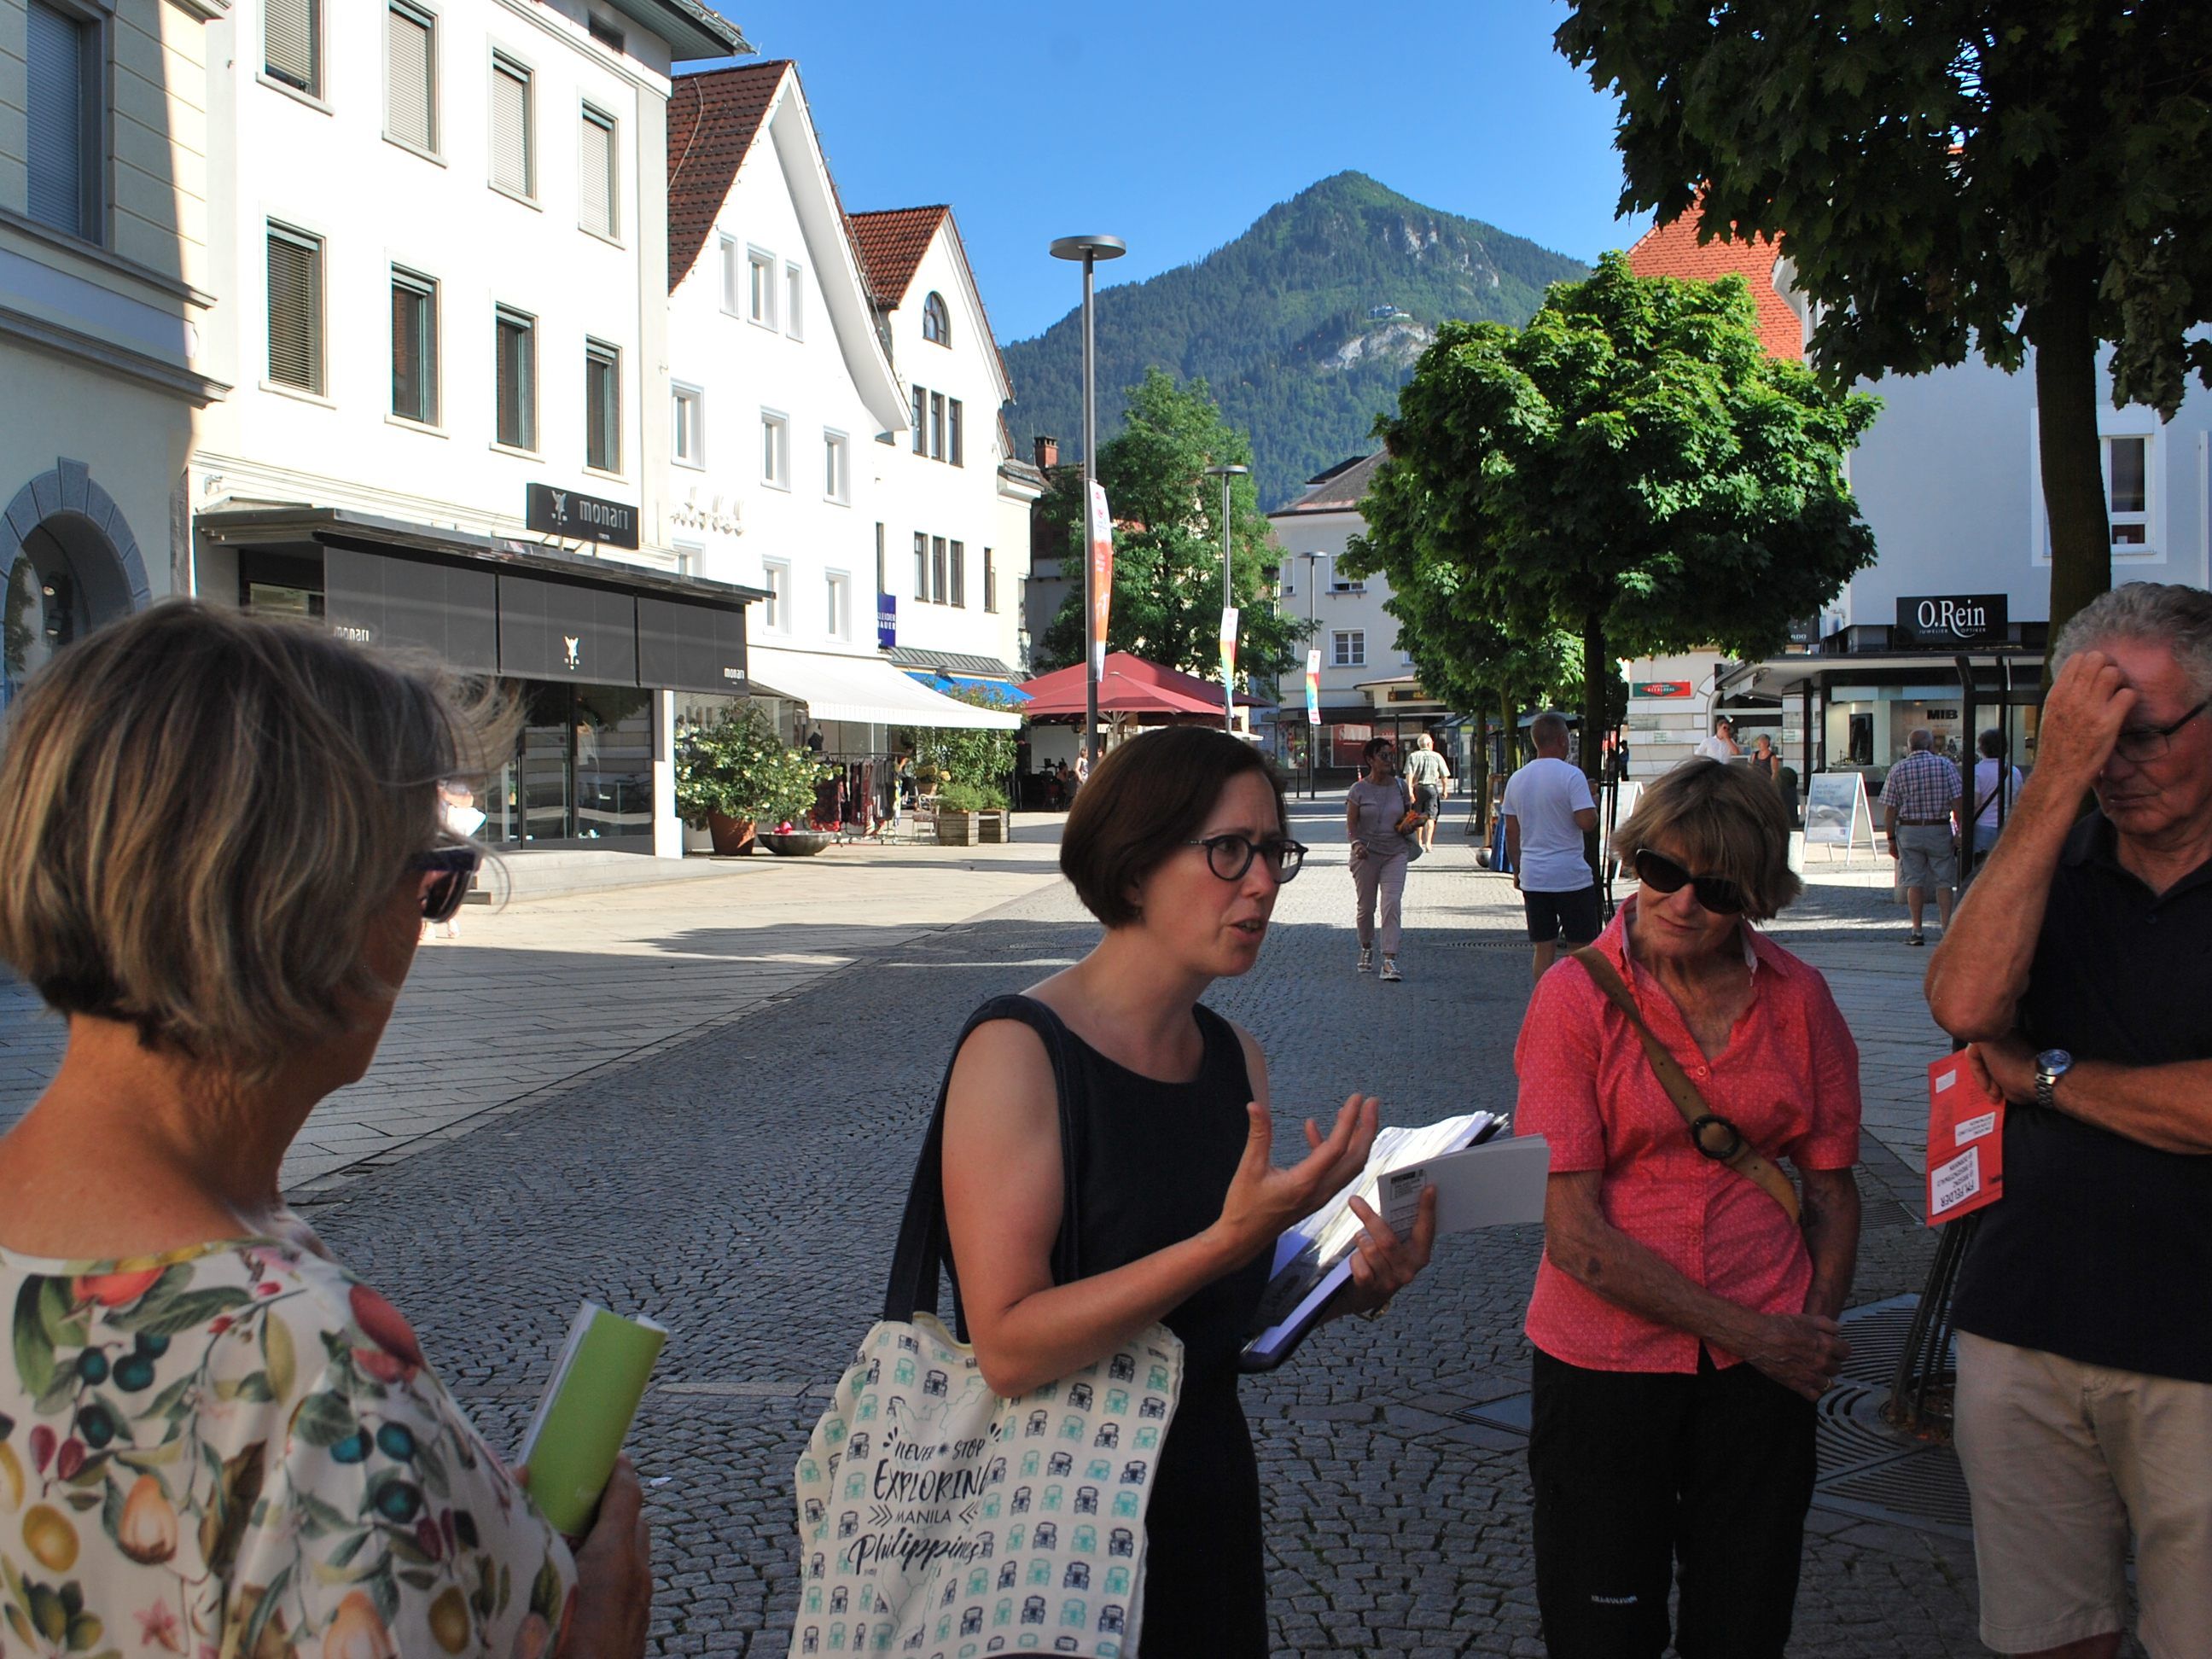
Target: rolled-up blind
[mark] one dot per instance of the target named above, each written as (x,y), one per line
(56,52)
(289,43)
(510,127)
(295,310)
(407,76)
(597,188)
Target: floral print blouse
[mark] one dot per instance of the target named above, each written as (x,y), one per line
(236,1451)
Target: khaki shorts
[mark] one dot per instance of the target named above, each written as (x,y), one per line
(2064,1461)
(1925,856)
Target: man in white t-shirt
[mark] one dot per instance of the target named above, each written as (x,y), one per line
(1721,745)
(1547,810)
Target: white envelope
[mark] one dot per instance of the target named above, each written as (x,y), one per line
(1495,1184)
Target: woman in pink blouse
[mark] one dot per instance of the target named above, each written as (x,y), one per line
(1684,1319)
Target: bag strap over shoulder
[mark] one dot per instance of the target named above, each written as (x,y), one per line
(1736,1152)
(925,1246)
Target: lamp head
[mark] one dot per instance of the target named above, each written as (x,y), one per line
(1227,472)
(1093,247)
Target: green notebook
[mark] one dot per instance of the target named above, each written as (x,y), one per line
(586,1414)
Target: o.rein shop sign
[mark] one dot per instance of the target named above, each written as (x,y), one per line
(1952,619)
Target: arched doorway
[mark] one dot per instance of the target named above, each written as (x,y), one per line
(68,564)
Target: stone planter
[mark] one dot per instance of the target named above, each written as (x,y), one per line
(796,843)
(731,835)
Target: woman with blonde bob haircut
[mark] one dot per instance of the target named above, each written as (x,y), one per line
(1684,1311)
(219,838)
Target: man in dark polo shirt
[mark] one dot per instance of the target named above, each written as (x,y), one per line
(2080,967)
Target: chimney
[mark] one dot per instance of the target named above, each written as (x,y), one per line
(1048,454)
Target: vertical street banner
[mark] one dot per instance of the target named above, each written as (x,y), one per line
(1229,647)
(1102,576)
(1313,688)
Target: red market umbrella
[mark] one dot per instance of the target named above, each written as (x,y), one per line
(1129,685)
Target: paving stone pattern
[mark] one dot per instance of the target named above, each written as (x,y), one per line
(742,1184)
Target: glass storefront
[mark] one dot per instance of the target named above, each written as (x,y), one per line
(582,770)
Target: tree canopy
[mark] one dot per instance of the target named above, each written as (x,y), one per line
(1632,469)
(1948,176)
(1167,541)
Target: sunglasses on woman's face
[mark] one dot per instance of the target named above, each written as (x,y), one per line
(1662,875)
(447,873)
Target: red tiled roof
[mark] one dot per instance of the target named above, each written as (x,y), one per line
(892,243)
(1672,250)
(713,118)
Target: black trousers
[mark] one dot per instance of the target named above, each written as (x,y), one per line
(1642,1476)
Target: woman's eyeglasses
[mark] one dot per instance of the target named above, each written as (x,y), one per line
(1230,856)
(447,873)
(1662,875)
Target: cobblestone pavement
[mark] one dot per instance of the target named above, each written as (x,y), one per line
(742,1184)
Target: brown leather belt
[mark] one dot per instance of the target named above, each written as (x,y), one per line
(1921,824)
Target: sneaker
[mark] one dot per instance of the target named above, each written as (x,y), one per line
(1390,974)
(1366,960)
(1916,938)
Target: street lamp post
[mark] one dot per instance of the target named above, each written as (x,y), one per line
(1228,601)
(1090,250)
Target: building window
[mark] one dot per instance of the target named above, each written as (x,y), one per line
(514,374)
(730,271)
(959,564)
(936,321)
(936,570)
(599,188)
(514,161)
(295,309)
(687,426)
(920,568)
(63,101)
(775,611)
(760,287)
(838,605)
(292,44)
(410,77)
(775,449)
(1346,585)
(990,581)
(602,406)
(606,33)
(920,421)
(794,302)
(936,426)
(836,483)
(414,347)
(959,427)
(1350,648)
(882,575)
(2127,485)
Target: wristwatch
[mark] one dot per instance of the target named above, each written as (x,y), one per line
(2050,1065)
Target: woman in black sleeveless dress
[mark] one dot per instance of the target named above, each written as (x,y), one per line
(1177,845)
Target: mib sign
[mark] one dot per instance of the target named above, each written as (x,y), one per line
(573,517)
(1952,619)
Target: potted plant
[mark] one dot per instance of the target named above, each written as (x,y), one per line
(969,813)
(737,773)
(970,766)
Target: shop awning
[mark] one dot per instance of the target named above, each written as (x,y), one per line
(1006,691)
(1778,676)
(865,689)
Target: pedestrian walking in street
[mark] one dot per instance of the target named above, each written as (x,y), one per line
(218,836)
(1684,1310)
(1919,799)
(1178,847)
(1547,810)
(1993,793)
(2077,972)
(460,818)
(1431,780)
(1721,745)
(1375,811)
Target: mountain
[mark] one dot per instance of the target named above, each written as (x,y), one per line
(1305,327)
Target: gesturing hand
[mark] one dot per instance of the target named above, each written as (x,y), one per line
(1383,1264)
(1801,1351)
(1263,1201)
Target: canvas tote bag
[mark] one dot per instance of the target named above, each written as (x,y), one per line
(937,1519)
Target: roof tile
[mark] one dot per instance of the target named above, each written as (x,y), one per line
(713,119)
(1672,250)
(892,243)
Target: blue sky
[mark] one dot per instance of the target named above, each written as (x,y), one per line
(1174,124)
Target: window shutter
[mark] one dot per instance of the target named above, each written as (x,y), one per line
(598,187)
(289,43)
(57,45)
(407,76)
(510,128)
(295,311)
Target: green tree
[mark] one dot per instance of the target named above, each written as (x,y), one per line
(1633,468)
(1167,541)
(978,757)
(1948,175)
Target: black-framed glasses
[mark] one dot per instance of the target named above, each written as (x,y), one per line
(447,873)
(2148,743)
(1662,875)
(1230,856)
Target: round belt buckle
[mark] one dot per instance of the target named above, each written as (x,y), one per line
(1734,1138)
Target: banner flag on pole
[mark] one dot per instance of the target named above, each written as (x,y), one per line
(1313,688)
(1102,576)
(1229,647)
